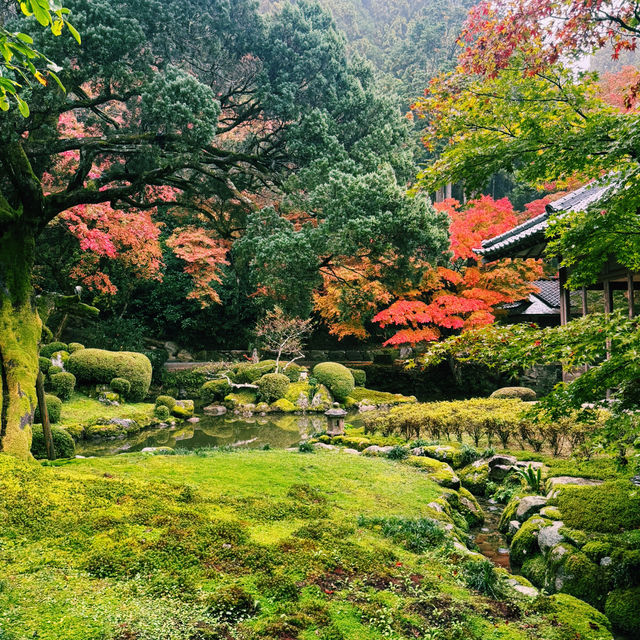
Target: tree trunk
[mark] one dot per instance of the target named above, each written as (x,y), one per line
(20,330)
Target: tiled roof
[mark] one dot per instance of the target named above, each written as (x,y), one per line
(544,302)
(532,232)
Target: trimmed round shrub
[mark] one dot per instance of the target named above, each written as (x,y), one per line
(44,364)
(47,350)
(92,366)
(60,356)
(214,391)
(162,412)
(166,401)
(63,384)
(623,611)
(54,409)
(121,386)
(336,377)
(292,371)
(54,370)
(272,386)
(359,377)
(62,443)
(75,346)
(524,393)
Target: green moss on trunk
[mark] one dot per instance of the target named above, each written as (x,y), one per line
(20,330)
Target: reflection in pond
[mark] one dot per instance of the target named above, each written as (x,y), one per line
(277,431)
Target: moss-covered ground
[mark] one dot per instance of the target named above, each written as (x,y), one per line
(250,544)
(81,409)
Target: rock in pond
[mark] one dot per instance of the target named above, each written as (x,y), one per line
(183,409)
(215,410)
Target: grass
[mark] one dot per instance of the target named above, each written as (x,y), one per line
(249,544)
(82,409)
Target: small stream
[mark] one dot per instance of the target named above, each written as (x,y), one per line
(491,543)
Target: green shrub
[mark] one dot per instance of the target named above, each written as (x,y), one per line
(249,372)
(54,409)
(74,346)
(336,377)
(416,534)
(398,453)
(272,387)
(44,364)
(99,366)
(292,371)
(63,384)
(481,575)
(214,391)
(623,610)
(306,447)
(62,443)
(53,370)
(166,401)
(47,350)
(121,386)
(523,393)
(359,377)
(231,604)
(162,412)
(283,405)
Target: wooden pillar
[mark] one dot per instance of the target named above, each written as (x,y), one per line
(447,190)
(608,296)
(583,296)
(630,294)
(565,301)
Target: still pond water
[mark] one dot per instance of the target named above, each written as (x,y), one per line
(279,431)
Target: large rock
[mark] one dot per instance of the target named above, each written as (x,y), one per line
(375,450)
(502,460)
(554,485)
(215,410)
(550,536)
(499,472)
(528,506)
(183,409)
(475,476)
(440,472)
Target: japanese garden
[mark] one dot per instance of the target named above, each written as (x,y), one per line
(319,320)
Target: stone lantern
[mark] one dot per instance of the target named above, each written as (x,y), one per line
(335,417)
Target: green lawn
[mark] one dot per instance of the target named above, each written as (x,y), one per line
(82,409)
(247,545)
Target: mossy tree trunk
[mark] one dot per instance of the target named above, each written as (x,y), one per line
(20,330)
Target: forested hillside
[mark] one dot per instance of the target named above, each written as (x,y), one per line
(408,41)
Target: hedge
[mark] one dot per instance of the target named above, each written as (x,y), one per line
(359,377)
(336,377)
(92,366)
(62,443)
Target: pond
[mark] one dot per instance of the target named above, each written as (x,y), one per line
(278,431)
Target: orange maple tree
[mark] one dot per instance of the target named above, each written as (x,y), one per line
(467,293)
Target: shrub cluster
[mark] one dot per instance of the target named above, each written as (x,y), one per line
(272,386)
(166,401)
(336,377)
(62,443)
(162,412)
(92,366)
(63,384)
(490,418)
(359,377)
(47,350)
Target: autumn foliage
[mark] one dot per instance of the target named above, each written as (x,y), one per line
(467,293)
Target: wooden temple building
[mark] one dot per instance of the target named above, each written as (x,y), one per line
(528,240)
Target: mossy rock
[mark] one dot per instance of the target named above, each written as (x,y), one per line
(92,366)
(379,398)
(262,407)
(450,454)
(284,406)
(183,409)
(595,550)
(440,472)
(240,398)
(611,507)
(321,400)
(575,574)
(62,443)
(508,513)
(166,401)
(584,621)
(298,393)
(475,477)
(470,508)
(522,393)
(553,513)
(525,542)
(76,431)
(534,568)
(250,372)
(352,442)
(622,607)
